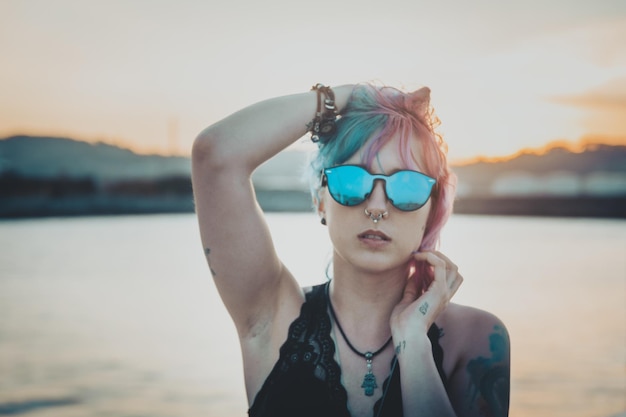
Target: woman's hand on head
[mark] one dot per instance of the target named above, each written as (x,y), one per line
(418,310)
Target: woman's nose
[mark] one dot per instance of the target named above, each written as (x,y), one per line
(378,198)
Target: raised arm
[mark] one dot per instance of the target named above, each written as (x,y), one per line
(249,276)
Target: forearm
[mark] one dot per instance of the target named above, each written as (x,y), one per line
(423,392)
(254,134)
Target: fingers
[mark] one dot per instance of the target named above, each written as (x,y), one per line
(430,257)
(451,265)
(454,280)
(456,283)
(445,271)
(410,293)
(436,258)
(418,309)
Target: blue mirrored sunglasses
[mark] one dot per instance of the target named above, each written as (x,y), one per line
(350,185)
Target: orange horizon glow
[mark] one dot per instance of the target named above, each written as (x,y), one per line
(127,144)
(587,142)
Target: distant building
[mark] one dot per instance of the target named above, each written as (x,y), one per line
(604,183)
(559,183)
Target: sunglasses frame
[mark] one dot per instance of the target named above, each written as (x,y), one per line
(431,181)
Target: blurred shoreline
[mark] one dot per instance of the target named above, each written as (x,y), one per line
(47,176)
(297,201)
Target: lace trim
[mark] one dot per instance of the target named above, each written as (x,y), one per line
(310,347)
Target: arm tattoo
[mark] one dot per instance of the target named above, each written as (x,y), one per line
(490,377)
(424,308)
(400,347)
(207,252)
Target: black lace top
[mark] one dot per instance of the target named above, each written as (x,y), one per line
(306,380)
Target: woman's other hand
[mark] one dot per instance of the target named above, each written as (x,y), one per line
(417,310)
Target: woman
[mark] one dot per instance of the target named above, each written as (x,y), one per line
(380,338)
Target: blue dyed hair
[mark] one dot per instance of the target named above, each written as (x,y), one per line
(356,125)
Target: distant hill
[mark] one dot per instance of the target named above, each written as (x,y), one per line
(53,157)
(42,176)
(33,156)
(595,157)
(599,169)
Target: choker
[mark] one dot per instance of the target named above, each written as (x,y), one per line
(369,380)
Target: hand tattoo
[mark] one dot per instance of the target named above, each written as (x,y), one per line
(424,308)
(400,347)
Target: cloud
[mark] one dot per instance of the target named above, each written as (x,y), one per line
(610,95)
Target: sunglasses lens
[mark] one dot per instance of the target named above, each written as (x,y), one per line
(349,185)
(409,190)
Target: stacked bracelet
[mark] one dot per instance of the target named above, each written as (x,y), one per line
(324,121)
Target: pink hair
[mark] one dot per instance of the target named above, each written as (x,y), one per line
(411,115)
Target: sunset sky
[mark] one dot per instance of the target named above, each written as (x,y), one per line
(150,74)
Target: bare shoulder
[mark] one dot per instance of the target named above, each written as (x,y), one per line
(470,324)
(469,332)
(477,360)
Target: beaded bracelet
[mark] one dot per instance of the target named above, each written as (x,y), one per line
(324,121)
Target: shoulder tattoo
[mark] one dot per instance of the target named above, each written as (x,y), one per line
(489,388)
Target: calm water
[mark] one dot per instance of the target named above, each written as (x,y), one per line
(117,316)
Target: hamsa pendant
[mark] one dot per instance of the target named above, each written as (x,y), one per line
(369,380)
(369,384)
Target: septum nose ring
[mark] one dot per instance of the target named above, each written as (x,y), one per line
(376,217)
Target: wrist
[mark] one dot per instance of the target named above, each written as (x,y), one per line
(404,346)
(330,102)
(324,122)
(342,95)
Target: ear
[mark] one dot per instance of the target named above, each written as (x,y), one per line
(319,204)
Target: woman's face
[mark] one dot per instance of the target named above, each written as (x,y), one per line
(386,244)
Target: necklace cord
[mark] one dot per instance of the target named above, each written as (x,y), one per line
(367,355)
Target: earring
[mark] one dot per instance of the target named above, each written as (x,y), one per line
(323,221)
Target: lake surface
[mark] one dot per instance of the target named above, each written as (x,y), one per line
(118,316)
